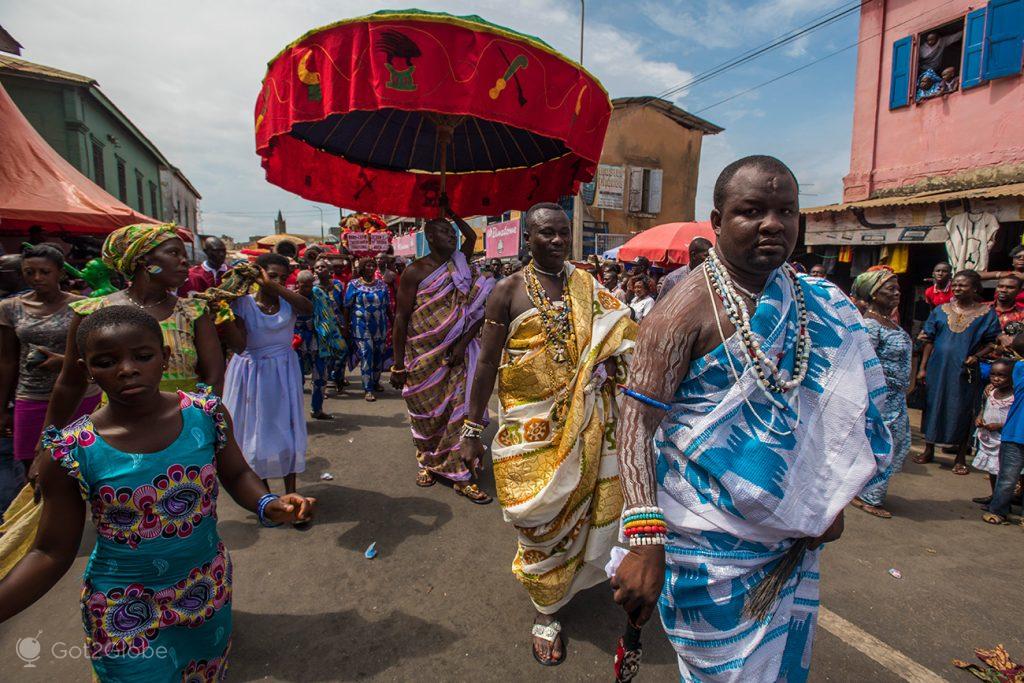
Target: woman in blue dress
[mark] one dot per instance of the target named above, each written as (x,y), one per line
(881,290)
(156,599)
(954,336)
(368,302)
(263,385)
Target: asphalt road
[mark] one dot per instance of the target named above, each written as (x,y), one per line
(440,603)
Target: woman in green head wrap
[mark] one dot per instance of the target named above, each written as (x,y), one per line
(153,259)
(879,293)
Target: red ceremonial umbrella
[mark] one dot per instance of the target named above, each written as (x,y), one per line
(666,243)
(386,112)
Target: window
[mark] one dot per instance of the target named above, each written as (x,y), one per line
(122,179)
(645,190)
(97,164)
(139,193)
(985,44)
(153,204)
(939,58)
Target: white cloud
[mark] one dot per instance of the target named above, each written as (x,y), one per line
(188,72)
(727,24)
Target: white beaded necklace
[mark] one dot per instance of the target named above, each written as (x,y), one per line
(769,377)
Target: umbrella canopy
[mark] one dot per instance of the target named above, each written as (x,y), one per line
(667,243)
(385,112)
(39,187)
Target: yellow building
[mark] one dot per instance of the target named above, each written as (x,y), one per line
(648,170)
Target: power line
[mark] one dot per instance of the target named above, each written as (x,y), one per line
(816,61)
(814,24)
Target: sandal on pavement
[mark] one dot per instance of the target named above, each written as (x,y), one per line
(321,416)
(549,633)
(424,478)
(875,510)
(921,459)
(473,493)
(991,518)
(961,469)
(983,500)
(370,398)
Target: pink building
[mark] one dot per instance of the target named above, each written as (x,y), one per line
(938,131)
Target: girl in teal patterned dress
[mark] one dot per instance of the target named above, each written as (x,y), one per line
(156,598)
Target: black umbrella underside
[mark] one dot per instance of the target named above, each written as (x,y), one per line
(400,140)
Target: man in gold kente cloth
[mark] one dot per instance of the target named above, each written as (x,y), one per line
(557,342)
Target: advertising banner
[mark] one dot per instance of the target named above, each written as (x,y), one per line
(502,239)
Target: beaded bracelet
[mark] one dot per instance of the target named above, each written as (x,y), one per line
(644,525)
(261,507)
(637,541)
(471,430)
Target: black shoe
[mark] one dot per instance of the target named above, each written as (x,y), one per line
(983,500)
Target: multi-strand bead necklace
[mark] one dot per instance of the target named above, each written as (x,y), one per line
(556,320)
(769,377)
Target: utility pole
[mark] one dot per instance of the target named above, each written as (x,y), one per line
(322,238)
(577,203)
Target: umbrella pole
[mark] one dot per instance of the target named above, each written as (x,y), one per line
(444,138)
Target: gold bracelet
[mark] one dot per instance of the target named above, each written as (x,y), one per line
(398,371)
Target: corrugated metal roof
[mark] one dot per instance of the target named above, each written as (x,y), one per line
(14,65)
(680,116)
(1012,190)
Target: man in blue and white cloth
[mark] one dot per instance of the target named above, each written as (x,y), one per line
(751,419)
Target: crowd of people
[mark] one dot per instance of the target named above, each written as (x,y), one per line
(658,429)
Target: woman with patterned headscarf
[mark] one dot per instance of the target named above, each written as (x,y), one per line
(879,290)
(154,260)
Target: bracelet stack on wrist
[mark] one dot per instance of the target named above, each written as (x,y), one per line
(471,430)
(644,526)
(261,508)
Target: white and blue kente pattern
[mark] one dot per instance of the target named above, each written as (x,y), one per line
(739,481)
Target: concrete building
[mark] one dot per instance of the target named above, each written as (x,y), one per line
(74,116)
(648,170)
(924,162)
(180,198)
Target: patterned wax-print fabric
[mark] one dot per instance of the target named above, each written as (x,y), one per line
(159,575)
(894,348)
(740,480)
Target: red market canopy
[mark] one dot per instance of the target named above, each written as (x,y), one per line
(384,112)
(668,243)
(39,187)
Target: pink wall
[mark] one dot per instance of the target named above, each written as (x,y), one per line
(982,126)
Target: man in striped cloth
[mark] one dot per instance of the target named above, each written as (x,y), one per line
(439,313)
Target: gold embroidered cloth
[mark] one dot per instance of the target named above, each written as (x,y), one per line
(554,453)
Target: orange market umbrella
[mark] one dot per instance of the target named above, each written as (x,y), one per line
(667,243)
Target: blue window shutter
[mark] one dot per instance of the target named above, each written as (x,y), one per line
(899,84)
(974,43)
(1004,38)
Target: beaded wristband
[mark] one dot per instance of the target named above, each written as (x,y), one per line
(644,510)
(261,507)
(637,541)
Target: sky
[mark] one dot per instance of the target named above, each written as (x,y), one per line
(188,73)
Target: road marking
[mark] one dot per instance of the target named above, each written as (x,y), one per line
(892,659)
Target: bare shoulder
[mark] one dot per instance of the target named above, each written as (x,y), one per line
(416,271)
(507,286)
(683,310)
